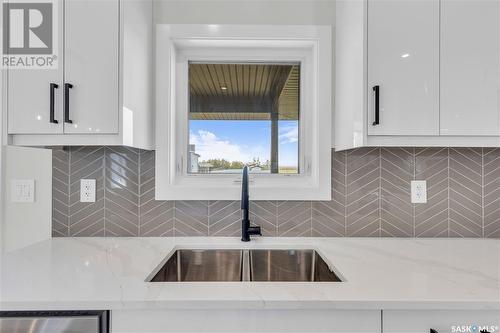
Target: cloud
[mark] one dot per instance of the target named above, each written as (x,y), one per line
(289,134)
(209,146)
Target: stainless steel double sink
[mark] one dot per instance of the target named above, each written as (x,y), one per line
(244,265)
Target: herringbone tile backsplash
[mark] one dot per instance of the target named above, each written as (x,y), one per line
(370,197)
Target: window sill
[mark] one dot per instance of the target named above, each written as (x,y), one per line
(271,187)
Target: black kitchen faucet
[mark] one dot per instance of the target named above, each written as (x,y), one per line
(246,229)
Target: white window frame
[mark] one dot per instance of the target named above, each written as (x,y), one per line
(177,45)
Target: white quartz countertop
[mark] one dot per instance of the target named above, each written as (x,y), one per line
(110,273)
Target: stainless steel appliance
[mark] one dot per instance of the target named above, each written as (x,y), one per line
(54,322)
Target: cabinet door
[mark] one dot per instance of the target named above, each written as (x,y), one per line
(92,65)
(403,60)
(28,91)
(246,320)
(470,70)
(440,321)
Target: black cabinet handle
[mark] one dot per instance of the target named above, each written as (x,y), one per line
(376,89)
(67,87)
(53,87)
(433,331)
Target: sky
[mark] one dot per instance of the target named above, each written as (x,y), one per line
(242,140)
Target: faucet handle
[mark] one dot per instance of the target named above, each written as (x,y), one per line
(255,230)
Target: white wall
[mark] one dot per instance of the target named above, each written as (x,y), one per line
(1,169)
(27,223)
(1,145)
(289,12)
(137,63)
(245,12)
(22,224)
(350,69)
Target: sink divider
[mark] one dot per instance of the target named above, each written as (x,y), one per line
(245,266)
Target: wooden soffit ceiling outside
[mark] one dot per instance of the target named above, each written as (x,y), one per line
(243,91)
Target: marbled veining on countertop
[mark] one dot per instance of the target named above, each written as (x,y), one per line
(110,273)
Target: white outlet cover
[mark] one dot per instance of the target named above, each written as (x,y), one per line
(87,190)
(22,190)
(419,191)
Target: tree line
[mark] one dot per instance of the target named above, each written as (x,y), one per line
(223,164)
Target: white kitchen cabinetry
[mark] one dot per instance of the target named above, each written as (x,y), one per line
(403,63)
(92,65)
(246,320)
(104,80)
(414,321)
(470,71)
(29,91)
(436,64)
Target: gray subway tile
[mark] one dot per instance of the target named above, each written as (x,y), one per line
(294,218)
(265,214)
(191,218)
(224,218)
(370,197)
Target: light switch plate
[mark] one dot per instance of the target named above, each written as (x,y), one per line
(418,191)
(22,190)
(87,190)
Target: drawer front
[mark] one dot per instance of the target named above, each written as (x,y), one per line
(441,321)
(49,325)
(246,320)
(54,321)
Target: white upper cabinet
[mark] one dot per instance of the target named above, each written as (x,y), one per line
(34,93)
(470,71)
(436,68)
(32,96)
(403,62)
(92,65)
(104,80)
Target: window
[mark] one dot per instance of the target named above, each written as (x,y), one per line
(229,96)
(243,114)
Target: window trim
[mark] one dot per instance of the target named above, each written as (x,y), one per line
(177,45)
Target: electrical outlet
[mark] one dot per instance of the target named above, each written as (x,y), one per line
(87,190)
(418,191)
